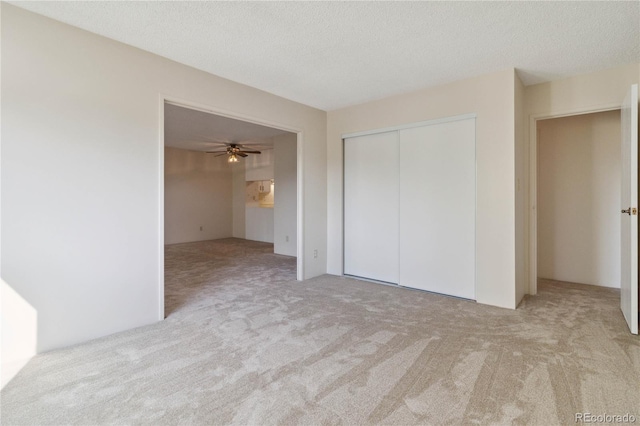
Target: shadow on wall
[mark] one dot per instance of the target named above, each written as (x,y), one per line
(18,332)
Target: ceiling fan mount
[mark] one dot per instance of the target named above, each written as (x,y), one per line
(234,150)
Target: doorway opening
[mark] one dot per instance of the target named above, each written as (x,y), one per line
(577,220)
(231,194)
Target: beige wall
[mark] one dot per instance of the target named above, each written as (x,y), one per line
(578,198)
(491,97)
(82,172)
(197,196)
(284,210)
(581,93)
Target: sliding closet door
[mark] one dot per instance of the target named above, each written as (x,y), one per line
(371,206)
(437,208)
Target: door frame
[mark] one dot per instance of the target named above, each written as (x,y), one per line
(162,99)
(533,181)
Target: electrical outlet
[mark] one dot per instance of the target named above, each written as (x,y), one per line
(286,238)
(315,254)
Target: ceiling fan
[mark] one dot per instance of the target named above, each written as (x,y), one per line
(233,150)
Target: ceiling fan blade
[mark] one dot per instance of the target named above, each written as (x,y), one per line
(250,152)
(241,154)
(257,145)
(214,152)
(219,155)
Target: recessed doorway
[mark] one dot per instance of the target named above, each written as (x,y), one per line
(227,180)
(578,194)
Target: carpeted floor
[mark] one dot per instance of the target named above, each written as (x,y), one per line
(244,343)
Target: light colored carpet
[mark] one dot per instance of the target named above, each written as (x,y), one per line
(245,344)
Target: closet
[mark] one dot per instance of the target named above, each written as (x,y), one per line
(410,206)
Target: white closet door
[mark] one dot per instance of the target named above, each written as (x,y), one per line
(437,208)
(371,206)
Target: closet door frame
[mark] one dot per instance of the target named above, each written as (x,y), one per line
(408,126)
(397,129)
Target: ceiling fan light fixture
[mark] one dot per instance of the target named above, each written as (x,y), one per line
(232,158)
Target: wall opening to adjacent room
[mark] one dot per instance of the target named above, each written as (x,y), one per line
(578,198)
(220,175)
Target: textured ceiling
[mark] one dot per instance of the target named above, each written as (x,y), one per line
(201,131)
(333,54)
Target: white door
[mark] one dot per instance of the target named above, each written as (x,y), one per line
(629,222)
(438,208)
(371,206)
